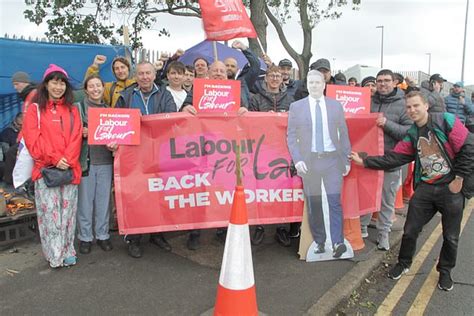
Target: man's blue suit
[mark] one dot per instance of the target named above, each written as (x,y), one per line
(328,166)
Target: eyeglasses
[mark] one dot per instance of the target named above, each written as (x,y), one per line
(380,81)
(274,76)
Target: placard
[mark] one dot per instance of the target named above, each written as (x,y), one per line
(113,125)
(211,96)
(354,100)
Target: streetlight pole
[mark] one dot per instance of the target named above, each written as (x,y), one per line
(381,46)
(429,63)
(464,45)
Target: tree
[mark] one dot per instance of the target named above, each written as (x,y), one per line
(90,21)
(310,14)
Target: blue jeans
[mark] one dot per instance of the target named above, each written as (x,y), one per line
(94,194)
(391,183)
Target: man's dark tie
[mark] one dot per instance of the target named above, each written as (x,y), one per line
(319,129)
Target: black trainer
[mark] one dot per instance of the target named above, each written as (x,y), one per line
(397,271)
(85,247)
(134,249)
(319,248)
(281,236)
(193,242)
(221,234)
(105,244)
(445,282)
(257,236)
(159,240)
(338,250)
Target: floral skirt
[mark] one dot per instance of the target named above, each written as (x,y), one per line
(56,209)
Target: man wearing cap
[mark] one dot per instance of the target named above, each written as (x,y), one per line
(286,66)
(389,102)
(431,90)
(25,88)
(457,104)
(323,66)
(121,71)
(369,82)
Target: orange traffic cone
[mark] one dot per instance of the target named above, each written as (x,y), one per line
(353,234)
(236,289)
(399,198)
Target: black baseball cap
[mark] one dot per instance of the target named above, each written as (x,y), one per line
(321,63)
(285,62)
(437,77)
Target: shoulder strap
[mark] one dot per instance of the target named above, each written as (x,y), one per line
(38,114)
(71,117)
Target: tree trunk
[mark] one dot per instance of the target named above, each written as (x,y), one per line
(260,23)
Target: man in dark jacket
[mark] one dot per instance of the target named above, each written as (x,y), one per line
(443,153)
(323,66)
(457,103)
(272,97)
(150,99)
(26,89)
(431,90)
(389,102)
(146,95)
(286,67)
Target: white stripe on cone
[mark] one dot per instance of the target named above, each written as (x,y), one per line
(237,266)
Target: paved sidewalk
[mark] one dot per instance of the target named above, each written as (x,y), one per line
(181,282)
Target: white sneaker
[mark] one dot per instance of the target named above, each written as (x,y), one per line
(364,232)
(383,242)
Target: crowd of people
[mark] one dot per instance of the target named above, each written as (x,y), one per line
(55,132)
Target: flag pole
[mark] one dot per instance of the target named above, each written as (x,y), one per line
(261,46)
(214,46)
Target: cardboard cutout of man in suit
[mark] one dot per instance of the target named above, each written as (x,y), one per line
(318,142)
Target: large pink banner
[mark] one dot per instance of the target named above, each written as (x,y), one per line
(182,175)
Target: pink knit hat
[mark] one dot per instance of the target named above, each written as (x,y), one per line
(54,68)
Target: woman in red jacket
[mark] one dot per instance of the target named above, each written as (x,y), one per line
(53,134)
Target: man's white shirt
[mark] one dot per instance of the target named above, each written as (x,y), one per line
(328,145)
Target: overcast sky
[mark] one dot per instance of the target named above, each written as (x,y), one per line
(412,28)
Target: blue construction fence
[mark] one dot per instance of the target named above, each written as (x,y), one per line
(34,57)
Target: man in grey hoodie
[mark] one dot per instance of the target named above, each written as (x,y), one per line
(389,102)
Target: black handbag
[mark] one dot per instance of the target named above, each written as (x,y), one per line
(54,177)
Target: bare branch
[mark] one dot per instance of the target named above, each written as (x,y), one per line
(281,34)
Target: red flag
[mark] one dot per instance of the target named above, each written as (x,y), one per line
(226,19)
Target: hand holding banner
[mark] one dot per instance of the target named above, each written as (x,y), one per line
(225,20)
